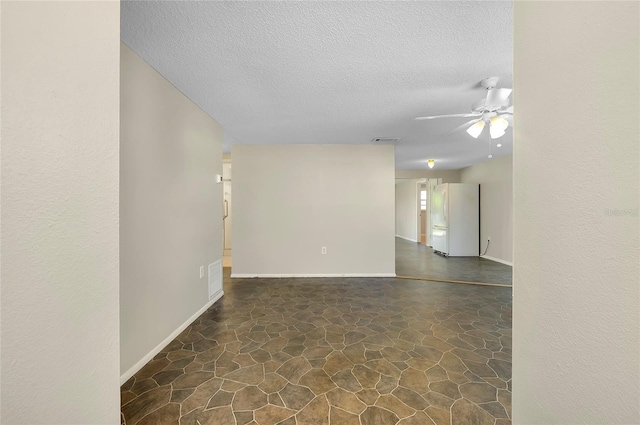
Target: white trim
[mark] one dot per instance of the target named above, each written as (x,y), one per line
(250,276)
(406,239)
(508,263)
(146,359)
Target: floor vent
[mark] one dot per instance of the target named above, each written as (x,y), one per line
(215,278)
(385,140)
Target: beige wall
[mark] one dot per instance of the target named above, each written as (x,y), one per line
(576,322)
(59,218)
(170,212)
(291,200)
(496,205)
(407,209)
(447,176)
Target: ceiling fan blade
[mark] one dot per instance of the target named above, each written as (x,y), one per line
(509,119)
(498,97)
(509,110)
(462,127)
(449,116)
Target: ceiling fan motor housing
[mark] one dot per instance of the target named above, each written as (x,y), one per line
(489,83)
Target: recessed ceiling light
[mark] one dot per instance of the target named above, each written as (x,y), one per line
(499,145)
(431,163)
(490,156)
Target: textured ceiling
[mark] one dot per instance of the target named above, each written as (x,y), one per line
(333,72)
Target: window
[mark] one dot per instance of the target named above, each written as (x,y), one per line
(423,200)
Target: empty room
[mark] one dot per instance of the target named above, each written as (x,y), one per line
(304,213)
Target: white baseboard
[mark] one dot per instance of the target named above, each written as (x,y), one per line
(146,359)
(486,257)
(251,276)
(406,239)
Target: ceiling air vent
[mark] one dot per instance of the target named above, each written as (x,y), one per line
(385,139)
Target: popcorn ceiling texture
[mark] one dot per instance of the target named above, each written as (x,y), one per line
(332,72)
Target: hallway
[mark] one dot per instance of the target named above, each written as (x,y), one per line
(417,260)
(313,351)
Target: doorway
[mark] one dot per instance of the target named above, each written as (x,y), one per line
(226,214)
(423,193)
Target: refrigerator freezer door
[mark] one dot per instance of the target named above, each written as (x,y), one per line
(440,239)
(439,206)
(464,224)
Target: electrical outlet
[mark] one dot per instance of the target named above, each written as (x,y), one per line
(324,250)
(201,272)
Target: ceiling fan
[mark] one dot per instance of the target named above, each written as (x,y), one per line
(494,110)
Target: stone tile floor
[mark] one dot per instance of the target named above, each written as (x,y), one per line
(334,351)
(417,260)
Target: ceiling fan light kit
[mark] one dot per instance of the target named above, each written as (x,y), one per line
(500,123)
(496,133)
(475,130)
(498,127)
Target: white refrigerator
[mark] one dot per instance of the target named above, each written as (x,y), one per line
(455,219)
